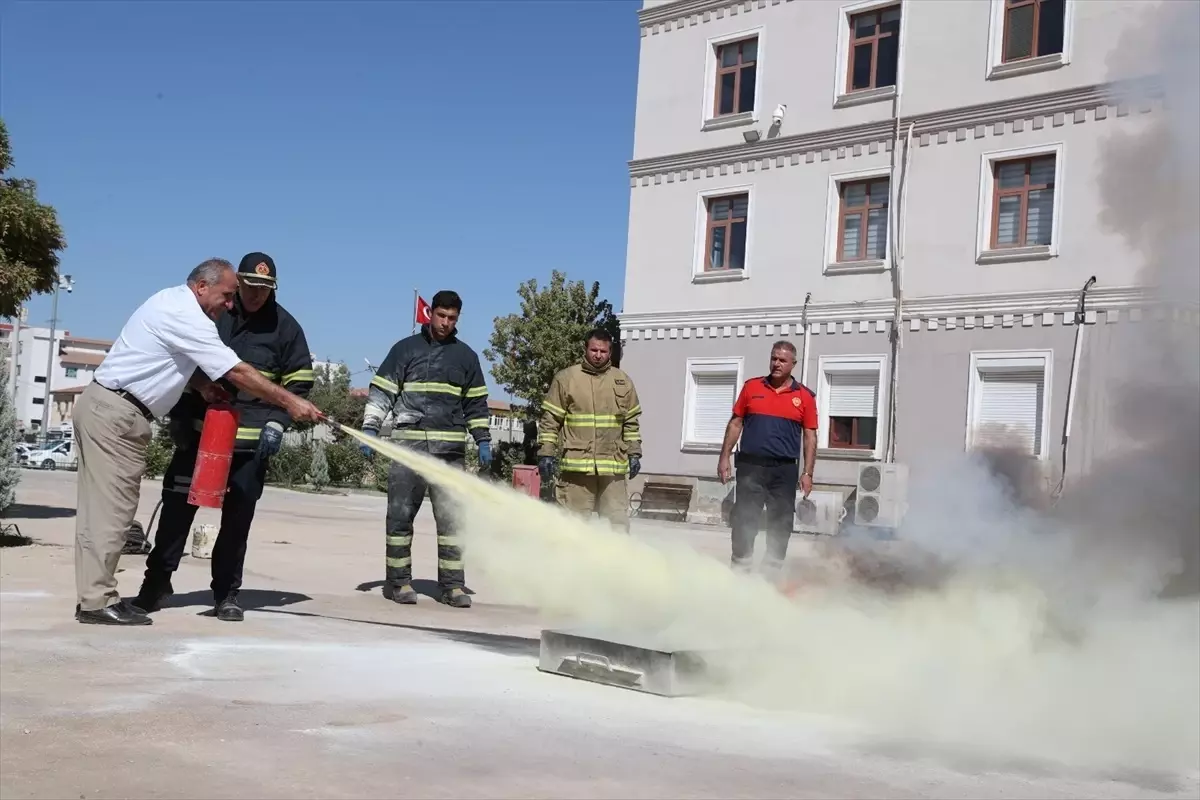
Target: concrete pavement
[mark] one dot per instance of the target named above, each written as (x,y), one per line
(326,690)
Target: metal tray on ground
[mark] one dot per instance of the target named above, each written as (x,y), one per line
(629,662)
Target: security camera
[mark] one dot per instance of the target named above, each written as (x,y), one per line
(777,117)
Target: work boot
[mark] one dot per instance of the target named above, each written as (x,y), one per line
(228,609)
(455,598)
(404,595)
(152,595)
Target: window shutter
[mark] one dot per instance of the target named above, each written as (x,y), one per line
(1008,410)
(712,405)
(853,394)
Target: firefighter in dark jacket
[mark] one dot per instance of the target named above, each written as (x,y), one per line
(432,386)
(267,337)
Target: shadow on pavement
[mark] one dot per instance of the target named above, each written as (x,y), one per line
(249,599)
(420,586)
(26,511)
(502,643)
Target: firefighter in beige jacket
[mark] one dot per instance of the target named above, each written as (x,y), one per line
(592,408)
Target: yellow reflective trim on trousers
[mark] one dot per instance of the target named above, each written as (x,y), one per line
(385,384)
(553,409)
(298,375)
(449,541)
(450,566)
(481,422)
(271,376)
(636,411)
(478,391)
(548,438)
(399,562)
(248,433)
(433,388)
(632,437)
(400,541)
(431,436)
(598,470)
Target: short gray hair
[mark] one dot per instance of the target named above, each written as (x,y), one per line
(784,344)
(210,271)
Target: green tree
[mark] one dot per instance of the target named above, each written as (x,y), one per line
(159,453)
(10,476)
(318,473)
(331,393)
(30,237)
(529,347)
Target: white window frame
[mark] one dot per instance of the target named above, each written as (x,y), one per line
(700,254)
(833,214)
(850,363)
(708,120)
(844,99)
(997,70)
(981,360)
(701,365)
(983,252)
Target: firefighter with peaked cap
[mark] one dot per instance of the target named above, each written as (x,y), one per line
(263,334)
(431,387)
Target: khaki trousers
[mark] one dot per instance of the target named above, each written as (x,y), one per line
(582,493)
(111,435)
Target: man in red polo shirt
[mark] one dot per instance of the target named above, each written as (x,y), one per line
(776,419)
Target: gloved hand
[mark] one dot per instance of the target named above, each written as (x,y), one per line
(635,466)
(270,439)
(485,454)
(366,451)
(546,466)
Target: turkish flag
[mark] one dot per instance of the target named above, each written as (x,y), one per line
(424,315)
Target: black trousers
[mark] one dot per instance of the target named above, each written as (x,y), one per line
(763,483)
(406,492)
(247,474)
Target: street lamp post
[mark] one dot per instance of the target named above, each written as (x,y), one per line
(64,282)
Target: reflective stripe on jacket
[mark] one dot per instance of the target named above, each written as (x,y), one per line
(434,392)
(595,415)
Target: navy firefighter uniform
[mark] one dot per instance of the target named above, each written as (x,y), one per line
(272,341)
(434,393)
(768,465)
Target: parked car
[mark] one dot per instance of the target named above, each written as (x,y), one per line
(59,455)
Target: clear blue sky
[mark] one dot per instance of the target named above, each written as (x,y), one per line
(369,147)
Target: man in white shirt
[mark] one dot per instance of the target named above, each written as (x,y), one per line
(164,347)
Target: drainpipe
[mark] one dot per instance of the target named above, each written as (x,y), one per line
(895,223)
(1072,384)
(804,324)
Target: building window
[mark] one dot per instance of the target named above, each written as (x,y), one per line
(72,372)
(1029,36)
(737,76)
(39,401)
(725,236)
(712,387)
(1023,202)
(874,49)
(1008,399)
(863,220)
(1032,28)
(39,378)
(1020,204)
(849,405)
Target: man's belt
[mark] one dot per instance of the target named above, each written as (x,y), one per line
(138,404)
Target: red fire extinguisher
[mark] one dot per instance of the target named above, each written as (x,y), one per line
(215,455)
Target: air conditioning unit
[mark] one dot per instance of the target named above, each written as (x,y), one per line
(881,495)
(821,512)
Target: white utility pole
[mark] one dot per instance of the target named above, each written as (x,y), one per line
(64,282)
(15,350)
